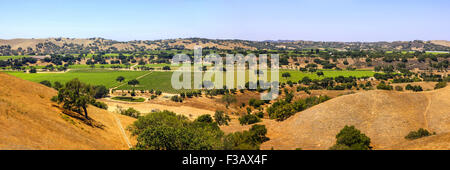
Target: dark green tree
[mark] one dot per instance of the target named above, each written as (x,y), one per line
(76,96)
(350,138)
(120,78)
(221,118)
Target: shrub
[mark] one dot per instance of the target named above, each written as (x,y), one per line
(260,114)
(441,84)
(399,88)
(205,119)
(33,70)
(176,99)
(228,99)
(417,134)
(249,119)
(350,138)
(256,103)
(54,99)
(130,112)
(100,105)
(46,83)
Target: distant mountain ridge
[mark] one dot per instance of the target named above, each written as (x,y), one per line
(93,45)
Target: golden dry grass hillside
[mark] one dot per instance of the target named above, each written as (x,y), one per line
(384,116)
(29,120)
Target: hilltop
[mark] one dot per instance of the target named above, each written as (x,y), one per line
(384,116)
(93,45)
(29,120)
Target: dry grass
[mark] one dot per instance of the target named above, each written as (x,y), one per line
(385,116)
(28,120)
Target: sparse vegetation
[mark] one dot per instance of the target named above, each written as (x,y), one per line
(417,134)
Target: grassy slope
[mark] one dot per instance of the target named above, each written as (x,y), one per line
(384,116)
(29,121)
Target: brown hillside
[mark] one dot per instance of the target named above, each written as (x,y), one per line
(441,42)
(29,121)
(385,116)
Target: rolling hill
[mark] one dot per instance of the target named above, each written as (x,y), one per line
(384,116)
(29,120)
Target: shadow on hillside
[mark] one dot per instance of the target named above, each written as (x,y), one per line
(90,122)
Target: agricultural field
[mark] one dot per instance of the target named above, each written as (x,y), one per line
(85,66)
(93,77)
(162,80)
(12,57)
(157,80)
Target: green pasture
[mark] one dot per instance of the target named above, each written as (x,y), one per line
(158,80)
(93,77)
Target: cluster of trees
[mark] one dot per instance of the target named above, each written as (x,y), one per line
(383,86)
(417,134)
(191,94)
(350,138)
(167,131)
(18,64)
(282,109)
(329,83)
(415,88)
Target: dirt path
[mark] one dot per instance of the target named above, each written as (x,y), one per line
(425,114)
(119,124)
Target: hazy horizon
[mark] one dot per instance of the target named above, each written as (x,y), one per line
(307,20)
(215,39)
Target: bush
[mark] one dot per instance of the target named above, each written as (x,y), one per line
(46,83)
(176,99)
(441,84)
(33,70)
(417,134)
(399,88)
(260,114)
(100,105)
(54,99)
(130,112)
(350,138)
(249,119)
(256,103)
(205,119)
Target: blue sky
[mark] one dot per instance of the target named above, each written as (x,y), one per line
(319,20)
